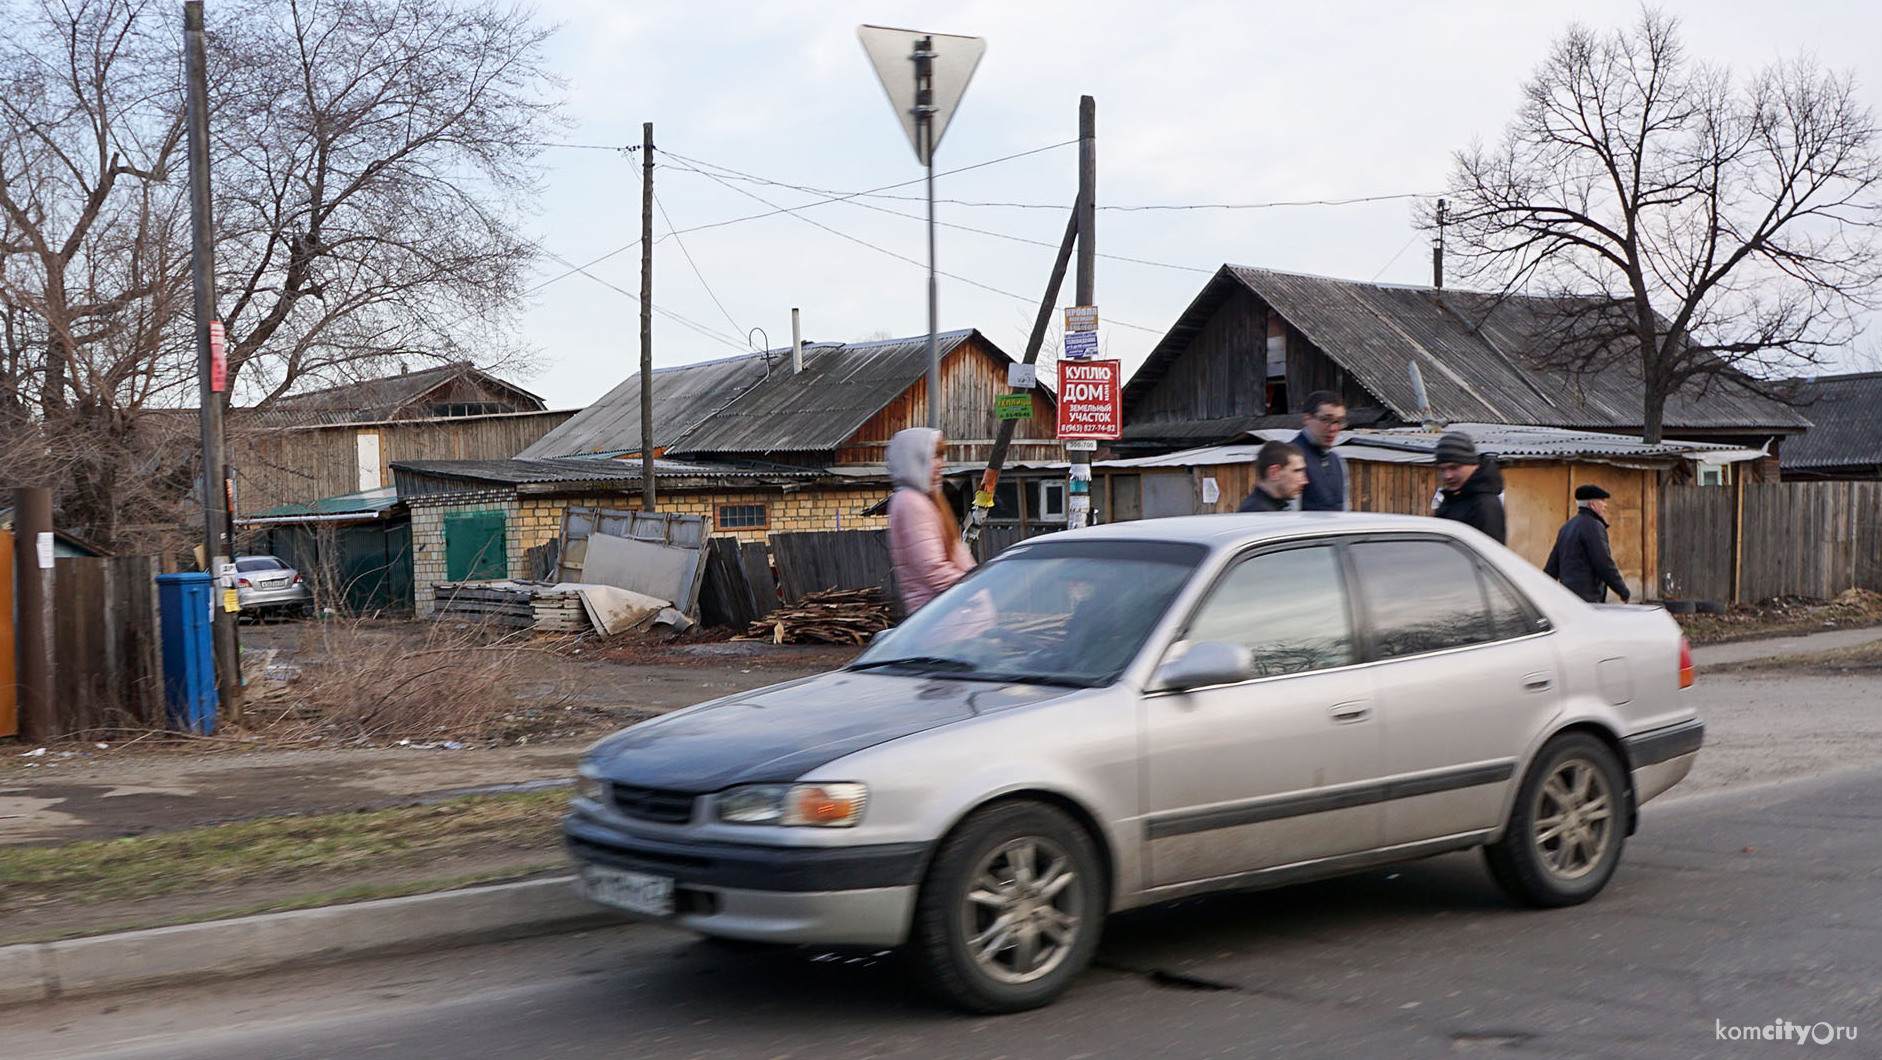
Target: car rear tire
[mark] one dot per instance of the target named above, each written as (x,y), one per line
(1567,828)
(1010,911)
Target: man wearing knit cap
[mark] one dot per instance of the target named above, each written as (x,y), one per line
(1581,559)
(1473,487)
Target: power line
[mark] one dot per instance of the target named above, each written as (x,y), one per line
(683,321)
(688,255)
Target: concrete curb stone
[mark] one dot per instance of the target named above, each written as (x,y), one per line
(250,944)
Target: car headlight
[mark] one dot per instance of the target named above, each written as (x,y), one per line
(809,805)
(590,786)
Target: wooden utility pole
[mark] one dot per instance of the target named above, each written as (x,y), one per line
(1077,495)
(211,367)
(646,317)
(32,635)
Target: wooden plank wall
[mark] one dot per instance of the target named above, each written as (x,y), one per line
(812,560)
(1221,373)
(970,377)
(107,662)
(1812,539)
(1696,525)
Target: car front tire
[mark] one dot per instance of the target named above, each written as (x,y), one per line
(1567,828)
(1010,911)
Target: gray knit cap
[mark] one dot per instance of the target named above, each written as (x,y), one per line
(1455,448)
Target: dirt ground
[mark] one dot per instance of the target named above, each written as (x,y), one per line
(1854,609)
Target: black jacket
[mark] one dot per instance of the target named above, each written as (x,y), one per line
(1582,561)
(1326,477)
(1258,500)
(1479,503)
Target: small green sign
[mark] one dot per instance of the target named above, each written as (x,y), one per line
(1012,406)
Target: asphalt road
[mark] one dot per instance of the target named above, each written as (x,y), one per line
(1739,907)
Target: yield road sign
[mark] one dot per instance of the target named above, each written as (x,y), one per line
(898,56)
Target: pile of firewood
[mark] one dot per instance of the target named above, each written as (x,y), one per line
(833,616)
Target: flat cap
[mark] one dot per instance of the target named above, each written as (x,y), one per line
(1591,492)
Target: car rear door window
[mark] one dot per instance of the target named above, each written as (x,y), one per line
(1421,596)
(1287,608)
(1512,615)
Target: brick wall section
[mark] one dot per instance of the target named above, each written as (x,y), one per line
(532,521)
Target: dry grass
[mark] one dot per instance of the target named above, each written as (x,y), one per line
(1853,609)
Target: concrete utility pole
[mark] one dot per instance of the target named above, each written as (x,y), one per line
(211,364)
(32,603)
(1077,499)
(646,318)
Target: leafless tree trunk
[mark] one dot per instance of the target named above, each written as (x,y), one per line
(1691,225)
(371,159)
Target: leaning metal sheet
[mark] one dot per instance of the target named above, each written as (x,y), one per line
(660,571)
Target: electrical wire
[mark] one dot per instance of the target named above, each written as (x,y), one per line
(688,255)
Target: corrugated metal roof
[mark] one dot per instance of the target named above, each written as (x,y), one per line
(1481,356)
(1846,423)
(754,403)
(1410,445)
(365,503)
(381,399)
(577,470)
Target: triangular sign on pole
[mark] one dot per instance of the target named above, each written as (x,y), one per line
(892,52)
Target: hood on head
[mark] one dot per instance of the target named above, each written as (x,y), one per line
(1488,479)
(911,458)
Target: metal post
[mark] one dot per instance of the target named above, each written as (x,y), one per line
(1437,251)
(211,367)
(923,58)
(646,318)
(1077,497)
(32,643)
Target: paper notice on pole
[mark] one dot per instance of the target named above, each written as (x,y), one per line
(1081,318)
(1022,376)
(1081,345)
(44,542)
(218,358)
(1081,445)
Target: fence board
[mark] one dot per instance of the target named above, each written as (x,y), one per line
(812,560)
(1809,539)
(1696,542)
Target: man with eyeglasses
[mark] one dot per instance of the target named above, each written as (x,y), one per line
(1323,419)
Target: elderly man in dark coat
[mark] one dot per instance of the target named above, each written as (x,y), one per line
(1581,559)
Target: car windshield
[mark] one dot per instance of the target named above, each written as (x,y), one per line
(254,563)
(1072,613)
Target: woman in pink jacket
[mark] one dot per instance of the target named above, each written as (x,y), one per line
(924,539)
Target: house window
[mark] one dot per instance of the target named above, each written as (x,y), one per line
(743,517)
(471,408)
(1005,501)
(1051,500)
(1714,475)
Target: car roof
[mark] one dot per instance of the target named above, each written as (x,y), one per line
(1234,530)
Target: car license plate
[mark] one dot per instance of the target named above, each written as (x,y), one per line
(636,892)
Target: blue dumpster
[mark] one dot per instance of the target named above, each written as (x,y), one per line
(184,603)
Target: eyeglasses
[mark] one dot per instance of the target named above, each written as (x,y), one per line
(1331,421)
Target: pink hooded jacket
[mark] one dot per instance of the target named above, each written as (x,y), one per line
(926,559)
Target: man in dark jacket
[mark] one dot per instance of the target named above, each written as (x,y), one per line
(1280,473)
(1322,419)
(1581,559)
(1473,487)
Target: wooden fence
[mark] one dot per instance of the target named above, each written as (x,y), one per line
(1757,541)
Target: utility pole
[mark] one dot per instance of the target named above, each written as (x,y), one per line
(1077,495)
(646,317)
(1437,251)
(32,604)
(211,365)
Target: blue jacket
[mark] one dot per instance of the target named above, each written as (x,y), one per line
(1326,477)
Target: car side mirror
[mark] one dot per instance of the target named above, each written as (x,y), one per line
(1205,663)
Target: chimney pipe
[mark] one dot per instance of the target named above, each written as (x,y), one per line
(797,344)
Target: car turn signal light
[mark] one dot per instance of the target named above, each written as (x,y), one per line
(1685,664)
(828,805)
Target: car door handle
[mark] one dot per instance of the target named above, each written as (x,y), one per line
(1347,713)
(1538,682)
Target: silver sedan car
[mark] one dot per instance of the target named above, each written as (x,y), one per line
(265,583)
(1128,714)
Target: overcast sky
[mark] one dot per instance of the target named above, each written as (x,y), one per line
(1197,103)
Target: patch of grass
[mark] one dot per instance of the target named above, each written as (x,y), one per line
(358,893)
(276,848)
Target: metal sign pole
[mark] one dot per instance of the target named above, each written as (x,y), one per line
(923,58)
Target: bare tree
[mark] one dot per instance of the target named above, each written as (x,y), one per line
(371,160)
(1689,224)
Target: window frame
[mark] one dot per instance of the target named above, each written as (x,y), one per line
(764,513)
(1481,566)
(1341,566)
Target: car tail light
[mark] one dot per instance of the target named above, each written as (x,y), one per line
(1685,664)
(297,578)
(244,583)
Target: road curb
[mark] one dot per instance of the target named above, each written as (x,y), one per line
(247,945)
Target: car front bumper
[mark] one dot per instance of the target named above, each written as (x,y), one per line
(835,896)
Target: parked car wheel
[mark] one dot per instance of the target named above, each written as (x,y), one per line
(1010,911)
(1566,830)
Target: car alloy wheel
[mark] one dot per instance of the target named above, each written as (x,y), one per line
(1021,914)
(1010,910)
(1574,819)
(1564,836)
